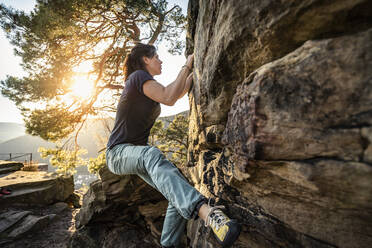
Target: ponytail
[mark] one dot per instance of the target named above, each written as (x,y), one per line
(134,60)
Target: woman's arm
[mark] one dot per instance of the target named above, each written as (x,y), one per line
(171,93)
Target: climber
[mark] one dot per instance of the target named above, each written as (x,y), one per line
(128,153)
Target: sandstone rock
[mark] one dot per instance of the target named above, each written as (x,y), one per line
(366,133)
(291,109)
(9,166)
(35,188)
(74,199)
(83,239)
(36,167)
(128,212)
(327,200)
(59,207)
(30,224)
(152,210)
(325,192)
(233,38)
(118,237)
(192,16)
(8,219)
(15,224)
(114,191)
(27,216)
(128,238)
(289,82)
(32,192)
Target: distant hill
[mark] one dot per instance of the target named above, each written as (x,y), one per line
(24,144)
(92,137)
(168,119)
(9,130)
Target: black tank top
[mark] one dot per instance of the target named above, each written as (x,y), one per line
(136,113)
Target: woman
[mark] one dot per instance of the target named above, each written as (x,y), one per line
(128,152)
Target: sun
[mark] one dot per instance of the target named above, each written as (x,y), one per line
(82,87)
(81,84)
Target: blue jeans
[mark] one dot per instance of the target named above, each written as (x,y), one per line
(151,165)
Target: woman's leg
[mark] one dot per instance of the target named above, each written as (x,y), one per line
(125,159)
(173,227)
(150,164)
(171,183)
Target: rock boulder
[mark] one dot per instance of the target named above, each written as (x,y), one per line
(9,166)
(35,188)
(280,121)
(119,211)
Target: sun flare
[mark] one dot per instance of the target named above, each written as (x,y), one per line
(82,84)
(82,87)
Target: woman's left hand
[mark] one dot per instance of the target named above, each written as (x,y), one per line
(189,81)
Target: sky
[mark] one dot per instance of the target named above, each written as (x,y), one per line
(10,65)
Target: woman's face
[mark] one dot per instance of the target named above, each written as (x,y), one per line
(153,65)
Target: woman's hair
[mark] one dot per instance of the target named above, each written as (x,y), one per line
(134,60)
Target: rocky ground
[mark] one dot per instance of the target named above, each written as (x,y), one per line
(40,211)
(53,234)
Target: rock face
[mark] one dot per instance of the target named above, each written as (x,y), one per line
(281,120)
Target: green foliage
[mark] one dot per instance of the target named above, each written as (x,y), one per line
(52,123)
(60,35)
(156,132)
(66,161)
(95,164)
(172,140)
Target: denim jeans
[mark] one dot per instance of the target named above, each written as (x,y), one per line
(151,165)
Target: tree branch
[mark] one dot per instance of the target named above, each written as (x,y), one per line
(113,86)
(157,30)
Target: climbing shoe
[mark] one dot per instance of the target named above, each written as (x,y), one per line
(225,230)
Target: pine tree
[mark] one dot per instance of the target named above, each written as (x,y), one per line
(59,36)
(173,139)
